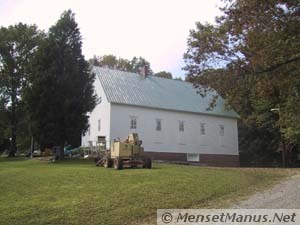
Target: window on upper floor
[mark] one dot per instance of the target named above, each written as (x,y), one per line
(221,130)
(98,100)
(202,128)
(158,125)
(181,126)
(133,122)
(99,125)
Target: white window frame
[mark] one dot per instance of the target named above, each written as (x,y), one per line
(133,122)
(202,128)
(193,157)
(221,130)
(181,126)
(158,125)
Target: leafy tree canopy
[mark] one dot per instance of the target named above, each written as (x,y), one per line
(134,65)
(62,89)
(164,74)
(251,56)
(18,44)
(112,62)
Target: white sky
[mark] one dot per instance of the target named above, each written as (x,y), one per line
(157,30)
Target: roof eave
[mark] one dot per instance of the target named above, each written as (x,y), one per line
(176,110)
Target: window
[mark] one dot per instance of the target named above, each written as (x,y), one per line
(99,100)
(181,126)
(99,125)
(133,123)
(193,157)
(202,128)
(158,125)
(221,130)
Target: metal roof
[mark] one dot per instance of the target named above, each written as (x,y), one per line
(155,92)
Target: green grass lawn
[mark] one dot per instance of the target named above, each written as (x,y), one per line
(76,192)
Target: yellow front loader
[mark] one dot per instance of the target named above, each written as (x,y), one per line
(126,153)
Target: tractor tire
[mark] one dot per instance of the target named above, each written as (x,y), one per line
(147,163)
(107,162)
(97,159)
(110,163)
(118,163)
(99,162)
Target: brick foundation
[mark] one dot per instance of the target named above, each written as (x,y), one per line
(220,160)
(205,159)
(167,156)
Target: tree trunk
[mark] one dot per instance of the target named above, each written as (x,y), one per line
(13,119)
(61,152)
(13,141)
(283,154)
(13,147)
(32,147)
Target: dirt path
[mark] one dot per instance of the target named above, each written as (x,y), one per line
(285,195)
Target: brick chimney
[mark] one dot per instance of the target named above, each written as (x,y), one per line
(143,71)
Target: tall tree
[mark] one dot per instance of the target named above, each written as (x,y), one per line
(138,63)
(62,89)
(3,124)
(112,62)
(17,46)
(251,57)
(164,74)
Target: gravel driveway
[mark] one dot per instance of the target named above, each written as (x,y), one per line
(285,195)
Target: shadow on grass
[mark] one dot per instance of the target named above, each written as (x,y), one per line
(81,161)
(77,161)
(13,159)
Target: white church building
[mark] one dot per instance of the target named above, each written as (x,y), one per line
(170,117)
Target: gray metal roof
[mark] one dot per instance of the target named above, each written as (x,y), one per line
(155,92)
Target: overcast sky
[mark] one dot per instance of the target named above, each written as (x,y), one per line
(154,29)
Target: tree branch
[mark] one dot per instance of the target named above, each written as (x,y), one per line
(274,67)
